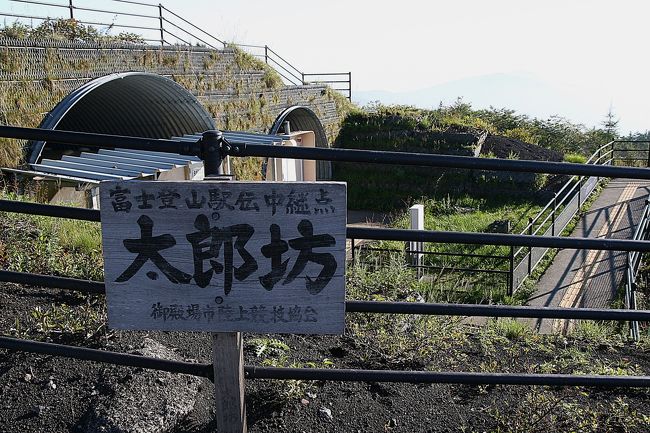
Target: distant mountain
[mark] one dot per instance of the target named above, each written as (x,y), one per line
(524,93)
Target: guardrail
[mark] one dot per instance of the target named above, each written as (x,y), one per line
(632,264)
(555,216)
(159,25)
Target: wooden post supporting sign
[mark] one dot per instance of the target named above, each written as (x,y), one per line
(228,365)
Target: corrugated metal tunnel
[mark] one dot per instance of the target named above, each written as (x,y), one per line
(142,104)
(135,104)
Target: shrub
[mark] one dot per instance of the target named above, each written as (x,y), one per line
(575,158)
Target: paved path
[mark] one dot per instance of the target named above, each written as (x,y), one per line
(579,278)
(364,218)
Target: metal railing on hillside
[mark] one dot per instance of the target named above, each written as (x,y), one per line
(512,269)
(555,216)
(212,150)
(632,265)
(159,25)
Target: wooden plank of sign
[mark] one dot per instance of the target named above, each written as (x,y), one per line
(198,291)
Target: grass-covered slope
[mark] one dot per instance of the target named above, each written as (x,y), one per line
(457,130)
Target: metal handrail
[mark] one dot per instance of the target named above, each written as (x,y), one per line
(572,185)
(128,14)
(181,29)
(291,75)
(196,27)
(633,261)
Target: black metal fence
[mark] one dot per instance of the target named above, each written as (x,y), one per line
(159,25)
(509,271)
(632,265)
(212,148)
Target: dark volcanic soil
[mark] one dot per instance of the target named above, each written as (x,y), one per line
(503,147)
(52,394)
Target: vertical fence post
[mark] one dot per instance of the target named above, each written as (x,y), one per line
(511,279)
(417,223)
(227,347)
(648,160)
(160,19)
(266,54)
(579,194)
(352,251)
(350,98)
(302,74)
(71,7)
(635,323)
(530,249)
(553,214)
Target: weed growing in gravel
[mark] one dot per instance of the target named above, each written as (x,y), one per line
(54,246)
(542,410)
(511,329)
(86,321)
(275,353)
(401,340)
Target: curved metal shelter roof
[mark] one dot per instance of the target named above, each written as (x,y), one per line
(136,104)
(303,118)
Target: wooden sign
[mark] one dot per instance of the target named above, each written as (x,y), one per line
(225,256)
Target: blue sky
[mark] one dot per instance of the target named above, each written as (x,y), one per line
(588,53)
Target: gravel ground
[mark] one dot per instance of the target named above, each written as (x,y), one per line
(51,394)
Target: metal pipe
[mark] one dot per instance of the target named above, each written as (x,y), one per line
(434,160)
(101,140)
(160,20)
(105,356)
(476,310)
(353,306)
(211,152)
(380,233)
(511,268)
(76,213)
(85,286)
(553,215)
(352,375)
(497,239)
(348,155)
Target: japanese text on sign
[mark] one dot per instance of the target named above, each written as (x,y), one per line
(225,248)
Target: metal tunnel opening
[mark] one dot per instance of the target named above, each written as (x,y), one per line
(302,118)
(134,104)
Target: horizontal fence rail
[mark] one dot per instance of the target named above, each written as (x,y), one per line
(436,160)
(389,234)
(105,356)
(354,375)
(383,307)
(341,375)
(101,140)
(325,154)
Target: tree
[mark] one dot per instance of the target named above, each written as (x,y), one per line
(611,123)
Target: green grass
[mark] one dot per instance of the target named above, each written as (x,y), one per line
(52,246)
(575,158)
(467,214)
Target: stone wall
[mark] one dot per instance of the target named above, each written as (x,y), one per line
(239,91)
